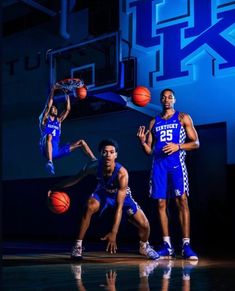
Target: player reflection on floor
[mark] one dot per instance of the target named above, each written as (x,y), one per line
(146,269)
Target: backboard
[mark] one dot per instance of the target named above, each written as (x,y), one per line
(95,61)
(108,77)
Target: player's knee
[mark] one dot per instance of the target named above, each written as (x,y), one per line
(161,204)
(82,142)
(79,143)
(93,206)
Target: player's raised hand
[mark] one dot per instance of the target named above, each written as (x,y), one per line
(142,135)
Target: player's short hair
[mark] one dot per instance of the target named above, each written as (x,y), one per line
(108,142)
(164,90)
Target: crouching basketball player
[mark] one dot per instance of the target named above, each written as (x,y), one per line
(112,191)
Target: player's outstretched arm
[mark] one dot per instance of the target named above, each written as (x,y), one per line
(112,235)
(65,112)
(45,113)
(89,169)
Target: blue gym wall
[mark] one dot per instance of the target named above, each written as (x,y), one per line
(188,46)
(174,46)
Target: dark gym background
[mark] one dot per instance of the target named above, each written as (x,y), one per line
(27,34)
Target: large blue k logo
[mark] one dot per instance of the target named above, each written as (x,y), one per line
(178,40)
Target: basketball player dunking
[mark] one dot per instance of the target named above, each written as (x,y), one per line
(165,138)
(50,127)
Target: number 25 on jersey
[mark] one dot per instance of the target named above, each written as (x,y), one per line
(166,135)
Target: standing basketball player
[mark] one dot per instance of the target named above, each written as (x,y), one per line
(165,138)
(50,127)
(112,191)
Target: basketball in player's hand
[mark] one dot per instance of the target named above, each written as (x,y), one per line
(58,202)
(141,96)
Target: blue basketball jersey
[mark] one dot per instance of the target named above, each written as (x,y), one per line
(109,185)
(52,127)
(166,131)
(107,190)
(169,177)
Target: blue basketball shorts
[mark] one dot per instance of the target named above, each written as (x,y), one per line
(130,207)
(58,151)
(168,180)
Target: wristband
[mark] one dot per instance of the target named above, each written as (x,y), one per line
(179,146)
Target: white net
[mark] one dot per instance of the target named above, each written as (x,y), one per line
(70,84)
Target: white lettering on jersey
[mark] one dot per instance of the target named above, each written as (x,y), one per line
(166,126)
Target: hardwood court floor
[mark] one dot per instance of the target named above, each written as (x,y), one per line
(40,269)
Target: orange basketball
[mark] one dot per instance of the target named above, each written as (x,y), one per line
(81,93)
(141,96)
(58,202)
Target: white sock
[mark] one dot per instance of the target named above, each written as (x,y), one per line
(167,239)
(185,240)
(78,243)
(143,244)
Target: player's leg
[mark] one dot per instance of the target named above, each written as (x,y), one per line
(92,207)
(141,222)
(48,147)
(166,250)
(48,150)
(86,149)
(162,210)
(159,192)
(184,214)
(184,217)
(179,180)
(180,186)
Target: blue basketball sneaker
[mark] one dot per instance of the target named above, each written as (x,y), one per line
(149,252)
(50,167)
(166,252)
(188,253)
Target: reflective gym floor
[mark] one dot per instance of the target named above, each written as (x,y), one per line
(47,266)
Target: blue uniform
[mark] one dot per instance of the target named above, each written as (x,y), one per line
(107,189)
(169,177)
(53,127)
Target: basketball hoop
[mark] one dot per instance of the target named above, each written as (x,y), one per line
(70,84)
